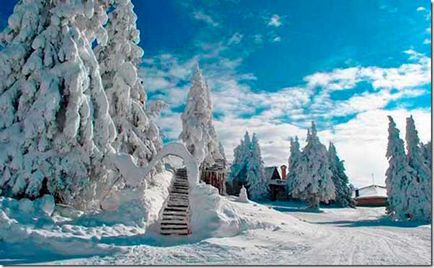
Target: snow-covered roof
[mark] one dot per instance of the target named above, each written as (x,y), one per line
(372,190)
(269,172)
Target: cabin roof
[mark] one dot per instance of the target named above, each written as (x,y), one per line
(372,190)
(269,172)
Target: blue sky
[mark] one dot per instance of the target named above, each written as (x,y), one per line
(273,66)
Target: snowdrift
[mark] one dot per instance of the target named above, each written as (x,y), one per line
(36,231)
(214,215)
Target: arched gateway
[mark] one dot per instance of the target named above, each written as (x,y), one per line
(175,217)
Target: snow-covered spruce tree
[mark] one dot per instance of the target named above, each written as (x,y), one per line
(222,152)
(427,154)
(257,183)
(198,132)
(313,182)
(237,163)
(293,161)
(55,129)
(240,155)
(419,188)
(398,175)
(138,135)
(340,179)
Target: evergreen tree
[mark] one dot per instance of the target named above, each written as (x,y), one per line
(238,167)
(313,182)
(398,175)
(198,132)
(55,129)
(340,179)
(427,154)
(138,135)
(257,183)
(293,161)
(419,190)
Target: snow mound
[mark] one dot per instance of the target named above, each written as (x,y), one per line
(214,215)
(29,233)
(137,207)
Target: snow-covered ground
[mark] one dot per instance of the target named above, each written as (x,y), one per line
(234,233)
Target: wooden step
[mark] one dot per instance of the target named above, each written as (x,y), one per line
(174,224)
(179,194)
(177,203)
(169,208)
(183,213)
(175,220)
(174,232)
(180,185)
(174,227)
(175,191)
(182,196)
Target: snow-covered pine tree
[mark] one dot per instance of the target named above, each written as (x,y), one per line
(313,182)
(257,183)
(55,129)
(198,132)
(427,154)
(340,179)
(240,156)
(398,175)
(419,188)
(236,164)
(222,152)
(138,135)
(293,161)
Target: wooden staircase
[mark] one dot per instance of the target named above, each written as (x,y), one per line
(176,215)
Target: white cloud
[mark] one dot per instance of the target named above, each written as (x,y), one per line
(287,112)
(258,39)
(362,141)
(235,39)
(275,21)
(420,9)
(276,39)
(200,15)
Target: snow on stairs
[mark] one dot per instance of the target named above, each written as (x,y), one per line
(176,214)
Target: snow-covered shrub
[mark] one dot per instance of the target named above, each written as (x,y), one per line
(313,182)
(55,128)
(340,179)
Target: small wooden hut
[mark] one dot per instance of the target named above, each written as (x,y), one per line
(215,175)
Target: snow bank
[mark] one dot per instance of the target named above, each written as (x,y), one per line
(136,207)
(214,215)
(29,232)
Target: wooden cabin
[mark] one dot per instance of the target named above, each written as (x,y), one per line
(277,182)
(215,175)
(372,195)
